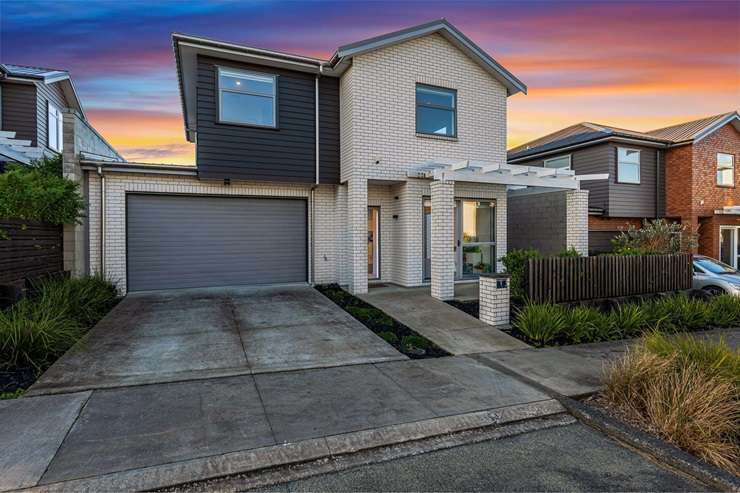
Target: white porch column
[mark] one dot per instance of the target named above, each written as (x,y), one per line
(443,238)
(576,218)
(357,234)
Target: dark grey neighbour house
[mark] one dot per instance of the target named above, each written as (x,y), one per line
(634,161)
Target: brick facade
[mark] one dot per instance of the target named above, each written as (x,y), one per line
(576,218)
(692,193)
(494,301)
(443,234)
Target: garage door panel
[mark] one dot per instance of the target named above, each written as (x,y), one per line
(187,241)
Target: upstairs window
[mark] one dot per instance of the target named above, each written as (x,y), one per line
(54,126)
(725,169)
(247,98)
(628,165)
(436,111)
(560,162)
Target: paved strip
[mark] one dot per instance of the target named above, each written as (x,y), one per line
(31,431)
(216,466)
(451,329)
(138,427)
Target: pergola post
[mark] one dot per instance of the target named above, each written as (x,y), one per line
(443,239)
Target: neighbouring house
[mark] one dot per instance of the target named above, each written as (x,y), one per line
(385,163)
(686,172)
(41,116)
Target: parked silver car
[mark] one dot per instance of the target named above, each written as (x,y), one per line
(715,277)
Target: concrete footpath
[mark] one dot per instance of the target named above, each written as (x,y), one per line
(152,436)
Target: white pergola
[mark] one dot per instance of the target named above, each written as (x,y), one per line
(502,174)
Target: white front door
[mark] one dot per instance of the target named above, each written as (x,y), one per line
(729,245)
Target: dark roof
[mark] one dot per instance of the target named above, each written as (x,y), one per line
(32,72)
(690,130)
(585,132)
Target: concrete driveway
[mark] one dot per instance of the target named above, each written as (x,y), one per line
(195,334)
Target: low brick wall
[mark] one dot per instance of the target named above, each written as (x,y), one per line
(494,299)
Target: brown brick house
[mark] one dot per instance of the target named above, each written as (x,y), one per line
(686,172)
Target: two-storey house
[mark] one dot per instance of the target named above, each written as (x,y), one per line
(386,162)
(684,173)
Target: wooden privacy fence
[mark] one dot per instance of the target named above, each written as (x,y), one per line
(29,249)
(567,279)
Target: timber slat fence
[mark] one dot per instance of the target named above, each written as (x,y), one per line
(33,249)
(567,279)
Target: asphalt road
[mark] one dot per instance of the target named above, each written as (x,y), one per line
(568,458)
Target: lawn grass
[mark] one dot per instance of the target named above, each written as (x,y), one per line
(393,332)
(686,390)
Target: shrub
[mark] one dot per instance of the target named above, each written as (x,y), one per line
(39,193)
(656,237)
(570,252)
(515,263)
(541,323)
(678,313)
(679,389)
(586,324)
(35,334)
(627,320)
(85,299)
(389,337)
(724,311)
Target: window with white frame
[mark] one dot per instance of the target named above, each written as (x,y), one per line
(54,126)
(628,165)
(560,162)
(247,98)
(725,169)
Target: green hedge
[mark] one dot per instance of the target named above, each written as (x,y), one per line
(544,324)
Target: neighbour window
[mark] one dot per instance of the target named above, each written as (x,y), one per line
(628,165)
(560,162)
(435,111)
(54,127)
(246,97)
(725,169)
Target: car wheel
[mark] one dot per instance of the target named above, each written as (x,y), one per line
(714,290)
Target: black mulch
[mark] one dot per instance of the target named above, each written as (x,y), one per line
(469,307)
(405,340)
(17,378)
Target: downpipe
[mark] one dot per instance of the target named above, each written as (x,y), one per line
(102,220)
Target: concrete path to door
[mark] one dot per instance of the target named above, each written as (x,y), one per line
(449,328)
(178,335)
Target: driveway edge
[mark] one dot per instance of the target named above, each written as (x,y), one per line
(660,450)
(246,461)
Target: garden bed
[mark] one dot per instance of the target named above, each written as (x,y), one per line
(40,328)
(682,389)
(395,333)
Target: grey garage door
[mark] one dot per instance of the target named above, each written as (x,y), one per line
(187,241)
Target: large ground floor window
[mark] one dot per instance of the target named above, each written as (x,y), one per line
(729,245)
(476,237)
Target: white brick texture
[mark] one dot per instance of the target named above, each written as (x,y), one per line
(493,301)
(577,220)
(443,239)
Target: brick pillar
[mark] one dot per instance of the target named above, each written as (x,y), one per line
(73,239)
(576,218)
(357,234)
(493,294)
(443,239)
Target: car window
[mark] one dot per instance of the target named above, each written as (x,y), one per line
(714,266)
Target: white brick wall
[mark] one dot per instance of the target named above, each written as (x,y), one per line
(357,234)
(118,184)
(443,235)
(378,109)
(493,301)
(577,220)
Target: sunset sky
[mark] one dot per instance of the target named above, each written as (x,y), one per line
(637,65)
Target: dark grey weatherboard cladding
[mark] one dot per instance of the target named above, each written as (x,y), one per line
(188,241)
(19,110)
(615,199)
(47,93)
(329,130)
(286,153)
